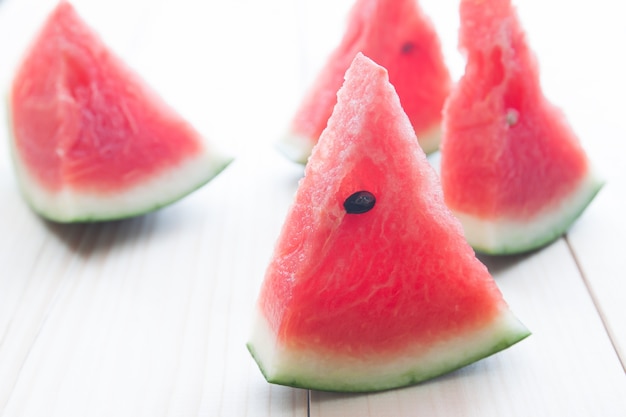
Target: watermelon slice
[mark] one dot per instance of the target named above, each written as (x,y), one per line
(372,284)
(398,35)
(90,140)
(512,169)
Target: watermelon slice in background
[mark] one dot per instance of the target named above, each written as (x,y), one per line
(387,297)
(398,35)
(90,140)
(512,169)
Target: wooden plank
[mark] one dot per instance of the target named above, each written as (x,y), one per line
(597,241)
(566,367)
(22,311)
(151,315)
(585,76)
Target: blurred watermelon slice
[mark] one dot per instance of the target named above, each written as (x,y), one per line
(512,169)
(399,36)
(91,141)
(372,284)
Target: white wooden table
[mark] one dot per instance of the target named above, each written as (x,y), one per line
(149,316)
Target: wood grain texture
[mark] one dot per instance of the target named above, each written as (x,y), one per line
(149,316)
(591,95)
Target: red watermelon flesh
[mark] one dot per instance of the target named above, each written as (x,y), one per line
(386,298)
(512,168)
(398,35)
(91,140)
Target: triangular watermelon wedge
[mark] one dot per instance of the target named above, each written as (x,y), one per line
(512,168)
(90,140)
(398,35)
(386,295)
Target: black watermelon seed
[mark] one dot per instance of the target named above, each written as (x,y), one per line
(408,47)
(359,202)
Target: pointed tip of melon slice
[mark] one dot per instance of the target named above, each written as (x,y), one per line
(509,237)
(309,369)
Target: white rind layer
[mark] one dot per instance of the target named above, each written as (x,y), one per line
(313,370)
(430,139)
(295,147)
(71,205)
(508,236)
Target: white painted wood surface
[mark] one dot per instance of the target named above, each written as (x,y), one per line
(150,316)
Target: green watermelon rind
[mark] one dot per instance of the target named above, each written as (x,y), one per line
(310,370)
(509,237)
(77,206)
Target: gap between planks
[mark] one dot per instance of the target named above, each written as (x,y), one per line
(595,301)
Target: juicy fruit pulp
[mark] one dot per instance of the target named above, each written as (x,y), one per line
(512,169)
(411,53)
(91,140)
(381,299)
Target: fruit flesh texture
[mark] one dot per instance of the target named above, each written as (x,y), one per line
(507,152)
(80,118)
(399,277)
(400,37)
